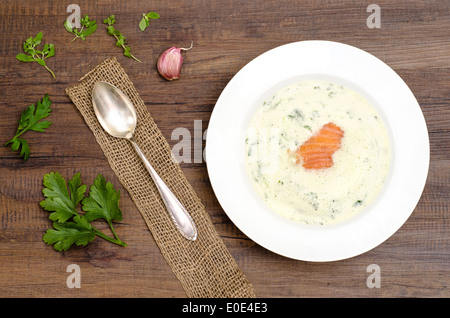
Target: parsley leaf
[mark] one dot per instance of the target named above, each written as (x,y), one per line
(31,119)
(103,201)
(64,235)
(70,226)
(58,199)
(35,55)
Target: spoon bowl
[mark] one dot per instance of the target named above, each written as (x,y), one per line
(114,110)
(117,115)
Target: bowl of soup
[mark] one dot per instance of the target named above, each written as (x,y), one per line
(317,151)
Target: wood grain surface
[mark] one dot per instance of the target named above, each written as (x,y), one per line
(413,39)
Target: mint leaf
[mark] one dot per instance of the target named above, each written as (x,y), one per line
(24,58)
(68,26)
(37,39)
(88,27)
(126,51)
(40,62)
(145,22)
(51,51)
(91,29)
(120,39)
(152,15)
(33,54)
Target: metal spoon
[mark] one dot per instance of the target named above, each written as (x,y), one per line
(117,116)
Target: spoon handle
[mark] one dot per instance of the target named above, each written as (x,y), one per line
(181,218)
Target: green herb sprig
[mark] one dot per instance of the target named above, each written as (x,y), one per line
(35,55)
(120,39)
(145,22)
(71,226)
(31,119)
(88,27)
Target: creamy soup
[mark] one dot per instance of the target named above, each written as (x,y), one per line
(285,145)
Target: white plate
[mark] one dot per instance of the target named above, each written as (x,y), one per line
(335,62)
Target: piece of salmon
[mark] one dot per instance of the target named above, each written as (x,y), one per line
(317,152)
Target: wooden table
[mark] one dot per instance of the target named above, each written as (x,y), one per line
(413,39)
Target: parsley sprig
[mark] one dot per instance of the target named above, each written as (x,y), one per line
(71,226)
(35,55)
(31,119)
(88,27)
(120,39)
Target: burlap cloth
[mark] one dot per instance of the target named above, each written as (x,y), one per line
(204,267)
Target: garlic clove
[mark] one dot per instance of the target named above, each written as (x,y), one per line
(170,62)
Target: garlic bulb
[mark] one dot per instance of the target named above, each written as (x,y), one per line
(170,62)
